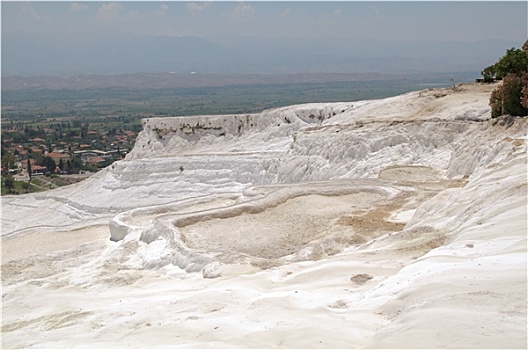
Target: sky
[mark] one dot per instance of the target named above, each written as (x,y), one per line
(446,20)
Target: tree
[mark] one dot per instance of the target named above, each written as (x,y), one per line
(8,161)
(76,164)
(524,96)
(9,183)
(49,163)
(26,186)
(515,61)
(496,103)
(69,167)
(61,164)
(511,97)
(508,98)
(29,169)
(3,147)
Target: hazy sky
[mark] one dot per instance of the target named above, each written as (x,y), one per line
(447,20)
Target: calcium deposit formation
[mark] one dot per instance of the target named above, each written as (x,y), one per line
(394,223)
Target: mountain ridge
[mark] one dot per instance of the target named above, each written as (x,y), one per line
(104,53)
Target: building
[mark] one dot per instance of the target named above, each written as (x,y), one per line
(57,156)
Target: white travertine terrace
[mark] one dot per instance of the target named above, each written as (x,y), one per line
(395,223)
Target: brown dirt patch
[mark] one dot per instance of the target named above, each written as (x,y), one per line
(361,278)
(374,221)
(277,231)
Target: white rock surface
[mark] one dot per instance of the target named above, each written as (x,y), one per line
(390,223)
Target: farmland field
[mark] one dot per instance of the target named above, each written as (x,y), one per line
(38,103)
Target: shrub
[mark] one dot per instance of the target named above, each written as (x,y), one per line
(496,103)
(507,98)
(512,96)
(524,96)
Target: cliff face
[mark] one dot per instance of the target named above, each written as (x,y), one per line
(247,133)
(393,215)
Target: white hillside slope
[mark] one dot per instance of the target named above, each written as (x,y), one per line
(395,223)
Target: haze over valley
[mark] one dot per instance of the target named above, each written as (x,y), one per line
(118,53)
(256,37)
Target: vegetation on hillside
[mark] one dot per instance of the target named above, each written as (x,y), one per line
(511,97)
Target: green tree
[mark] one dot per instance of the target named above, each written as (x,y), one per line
(49,163)
(515,61)
(29,169)
(508,98)
(511,96)
(26,186)
(524,96)
(9,183)
(69,167)
(496,103)
(76,164)
(61,164)
(8,161)
(3,147)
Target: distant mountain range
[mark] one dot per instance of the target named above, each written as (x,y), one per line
(119,53)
